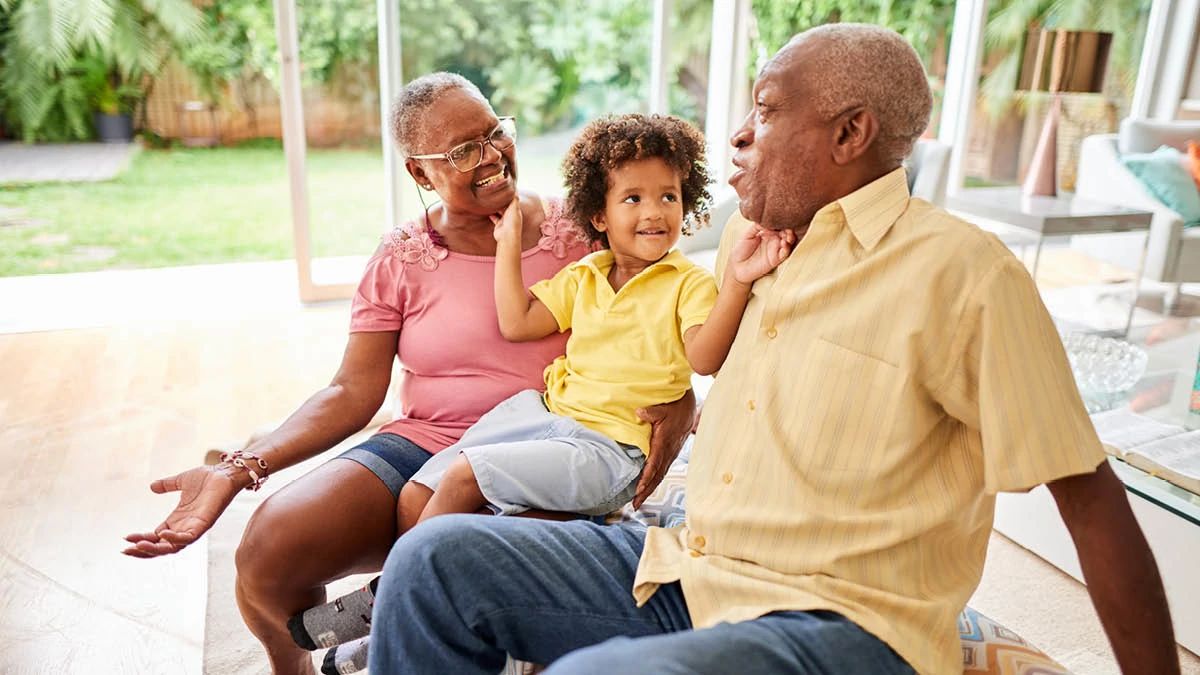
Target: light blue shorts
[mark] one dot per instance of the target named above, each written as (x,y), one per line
(526,457)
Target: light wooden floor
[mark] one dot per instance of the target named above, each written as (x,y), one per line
(87,419)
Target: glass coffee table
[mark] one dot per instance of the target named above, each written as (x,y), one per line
(1164,395)
(1168,515)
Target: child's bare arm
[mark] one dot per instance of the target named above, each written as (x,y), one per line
(521,318)
(758,252)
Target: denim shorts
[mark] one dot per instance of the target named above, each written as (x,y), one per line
(526,457)
(392,457)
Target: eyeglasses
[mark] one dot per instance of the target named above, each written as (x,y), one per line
(466,156)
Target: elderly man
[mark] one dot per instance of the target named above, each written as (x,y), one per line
(888,379)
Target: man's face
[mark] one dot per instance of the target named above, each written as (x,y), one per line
(783,147)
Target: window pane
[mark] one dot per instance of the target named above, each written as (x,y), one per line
(1005,124)
(691,37)
(925,24)
(340,78)
(553,64)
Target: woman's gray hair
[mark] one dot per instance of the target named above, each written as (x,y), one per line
(871,66)
(408,110)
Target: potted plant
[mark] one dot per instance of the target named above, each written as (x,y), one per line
(113,111)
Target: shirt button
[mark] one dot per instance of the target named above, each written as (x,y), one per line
(727,478)
(700,542)
(750,405)
(772,333)
(695,554)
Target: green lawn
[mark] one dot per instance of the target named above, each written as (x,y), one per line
(190,206)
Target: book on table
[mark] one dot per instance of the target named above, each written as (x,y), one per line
(1167,451)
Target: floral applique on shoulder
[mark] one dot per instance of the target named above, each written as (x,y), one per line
(416,245)
(558,233)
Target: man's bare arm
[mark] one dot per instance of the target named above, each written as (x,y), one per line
(1122,577)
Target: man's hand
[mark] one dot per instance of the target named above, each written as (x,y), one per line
(204,494)
(670,424)
(1119,569)
(509,224)
(758,252)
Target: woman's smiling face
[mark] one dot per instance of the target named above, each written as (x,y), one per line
(457,117)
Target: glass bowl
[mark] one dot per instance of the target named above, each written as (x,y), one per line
(1104,368)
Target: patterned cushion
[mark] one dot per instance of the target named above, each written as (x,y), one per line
(988,648)
(991,649)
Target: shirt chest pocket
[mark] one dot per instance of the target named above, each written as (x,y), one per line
(843,407)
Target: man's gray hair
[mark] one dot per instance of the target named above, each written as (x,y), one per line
(871,66)
(408,110)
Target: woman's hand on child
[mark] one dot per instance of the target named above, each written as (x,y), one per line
(508,224)
(758,252)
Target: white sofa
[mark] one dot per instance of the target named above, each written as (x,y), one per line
(1173,255)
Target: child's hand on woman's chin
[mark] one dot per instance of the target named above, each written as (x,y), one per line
(508,224)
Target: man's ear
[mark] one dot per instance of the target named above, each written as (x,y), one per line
(855,132)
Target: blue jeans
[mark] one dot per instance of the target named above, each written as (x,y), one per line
(459,592)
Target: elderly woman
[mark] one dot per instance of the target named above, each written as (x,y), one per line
(426,297)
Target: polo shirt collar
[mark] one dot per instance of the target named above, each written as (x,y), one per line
(601,261)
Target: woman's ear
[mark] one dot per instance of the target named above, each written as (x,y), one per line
(418,173)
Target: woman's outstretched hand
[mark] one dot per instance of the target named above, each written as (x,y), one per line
(204,494)
(758,252)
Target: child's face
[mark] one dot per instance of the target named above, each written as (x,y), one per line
(643,209)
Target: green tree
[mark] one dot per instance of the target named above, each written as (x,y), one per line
(924,23)
(52,51)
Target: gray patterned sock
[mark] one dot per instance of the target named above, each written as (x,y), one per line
(336,622)
(350,657)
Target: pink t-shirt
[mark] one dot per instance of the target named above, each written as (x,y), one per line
(456,365)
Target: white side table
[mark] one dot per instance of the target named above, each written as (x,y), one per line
(1061,216)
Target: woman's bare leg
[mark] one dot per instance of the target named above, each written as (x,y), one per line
(337,520)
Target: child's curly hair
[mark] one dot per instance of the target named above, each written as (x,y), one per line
(611,141)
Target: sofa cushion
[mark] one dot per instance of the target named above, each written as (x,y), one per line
(1164,174)
(1146,135)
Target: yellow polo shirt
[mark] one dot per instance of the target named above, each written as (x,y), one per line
(888,379)
(626,347)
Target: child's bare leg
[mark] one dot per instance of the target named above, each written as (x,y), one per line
(412,501)
(458,492)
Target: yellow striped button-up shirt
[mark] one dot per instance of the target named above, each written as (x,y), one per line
(887,380)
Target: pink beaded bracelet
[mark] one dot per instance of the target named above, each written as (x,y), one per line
(239,458)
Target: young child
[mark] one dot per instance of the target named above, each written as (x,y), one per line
(642,319)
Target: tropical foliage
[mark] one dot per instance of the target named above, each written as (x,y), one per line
(551,62)
(925,23)
(62,60)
